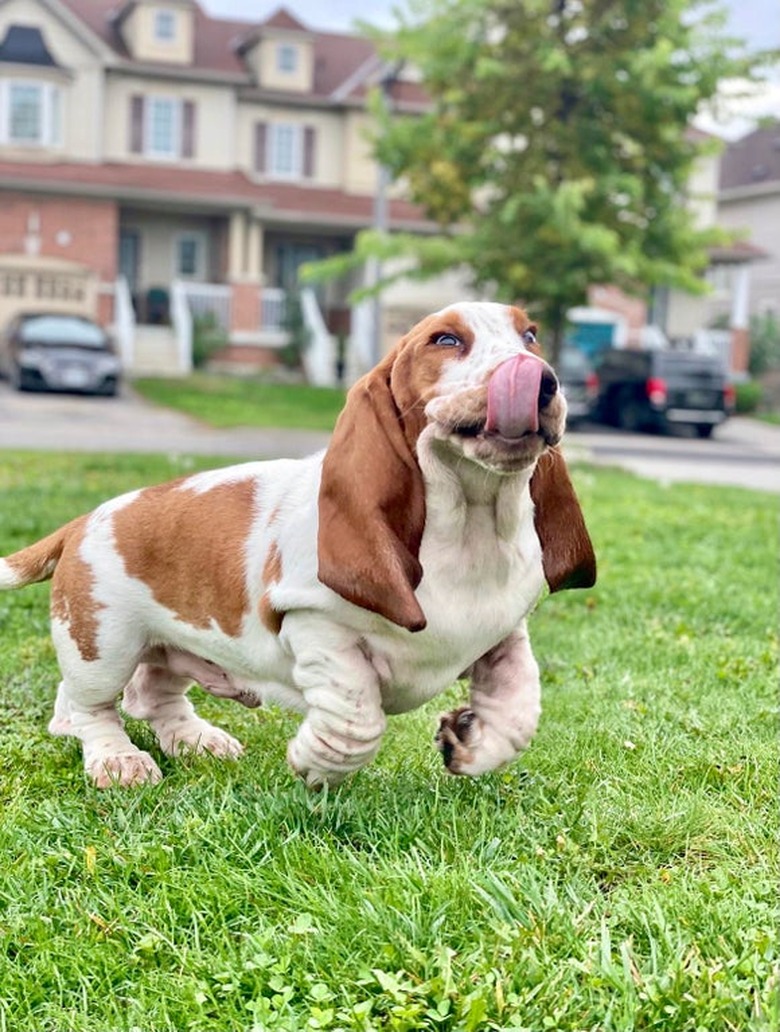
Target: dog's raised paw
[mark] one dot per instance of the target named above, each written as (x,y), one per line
(455,738)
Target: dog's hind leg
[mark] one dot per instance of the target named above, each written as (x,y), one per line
(157,694)
(110,758)
(86,709)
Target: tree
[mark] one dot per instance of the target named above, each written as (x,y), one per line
(556,153)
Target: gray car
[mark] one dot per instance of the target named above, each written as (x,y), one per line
(59,352)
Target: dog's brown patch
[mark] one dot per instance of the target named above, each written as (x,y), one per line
(189,547)
(72,598)
(271,618)
(523,323)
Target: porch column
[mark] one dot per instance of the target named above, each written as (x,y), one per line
(254,256)
(740,320)
(237,246)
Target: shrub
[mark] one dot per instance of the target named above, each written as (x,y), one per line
(208,336)
(749,396)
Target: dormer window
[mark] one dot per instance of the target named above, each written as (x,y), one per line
(286,58)
(165,26)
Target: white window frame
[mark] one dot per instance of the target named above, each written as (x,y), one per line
(50,101)
(287,58)
(172,153)
(200,240)
(165,17)
(277,147)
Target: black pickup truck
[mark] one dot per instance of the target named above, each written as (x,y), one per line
(658,390)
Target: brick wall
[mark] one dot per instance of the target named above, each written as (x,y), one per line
(76,229)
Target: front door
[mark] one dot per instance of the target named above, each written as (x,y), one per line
(129,257)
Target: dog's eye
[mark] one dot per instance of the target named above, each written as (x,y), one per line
(447,340)
(529,337)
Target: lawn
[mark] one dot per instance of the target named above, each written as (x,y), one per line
(229,401)
(623,875)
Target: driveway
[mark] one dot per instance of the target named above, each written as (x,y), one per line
(64,422)
(743,453)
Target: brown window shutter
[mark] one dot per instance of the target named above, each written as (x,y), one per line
(309,143)
(188,129)
(136,125)
(261,135)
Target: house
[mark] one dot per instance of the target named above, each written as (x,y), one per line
(749,203)
(157,163)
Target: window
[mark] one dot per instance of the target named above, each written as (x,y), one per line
(190,253)
(162,127)
(164,26)
(285,150)
(286,58)
(30,113)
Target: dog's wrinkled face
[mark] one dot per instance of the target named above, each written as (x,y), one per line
(487,394)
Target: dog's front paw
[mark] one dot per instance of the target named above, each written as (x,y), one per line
(459,732)
(125,770)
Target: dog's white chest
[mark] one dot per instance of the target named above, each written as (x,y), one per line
(473,598)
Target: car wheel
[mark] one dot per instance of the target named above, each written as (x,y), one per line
(15,378)
(704,430)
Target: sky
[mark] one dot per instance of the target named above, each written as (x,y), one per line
(756,21)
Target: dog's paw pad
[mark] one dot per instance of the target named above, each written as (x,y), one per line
(455,738)
(125,770)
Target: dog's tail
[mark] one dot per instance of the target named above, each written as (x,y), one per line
(38,561)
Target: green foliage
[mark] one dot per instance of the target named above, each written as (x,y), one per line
(556,153)
(621,876)
(764,343)
(749,395)
(230,401)
(208,337)
(299,337)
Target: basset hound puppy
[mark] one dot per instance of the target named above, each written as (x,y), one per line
(350,585)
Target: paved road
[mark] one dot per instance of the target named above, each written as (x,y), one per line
(744,452)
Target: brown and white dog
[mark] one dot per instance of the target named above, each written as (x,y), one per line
(347,585)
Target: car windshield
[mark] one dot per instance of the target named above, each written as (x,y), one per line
(62,329)
(670,362)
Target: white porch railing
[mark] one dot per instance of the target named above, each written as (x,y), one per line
(124,321)
(208,299)
(181,319)
(273,309)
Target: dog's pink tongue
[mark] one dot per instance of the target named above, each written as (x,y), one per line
(513,396)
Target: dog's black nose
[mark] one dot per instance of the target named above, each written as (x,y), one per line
(548,387)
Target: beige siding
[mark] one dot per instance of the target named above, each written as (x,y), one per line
(359,170)
(264,64)
(138,30)
(759,218)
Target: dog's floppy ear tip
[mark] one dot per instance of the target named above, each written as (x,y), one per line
(582,577)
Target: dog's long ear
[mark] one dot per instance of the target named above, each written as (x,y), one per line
(568,558)
(372,505)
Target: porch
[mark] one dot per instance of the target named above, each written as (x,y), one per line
(230,278)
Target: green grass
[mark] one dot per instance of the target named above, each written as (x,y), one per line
(229,401)
(623,875)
